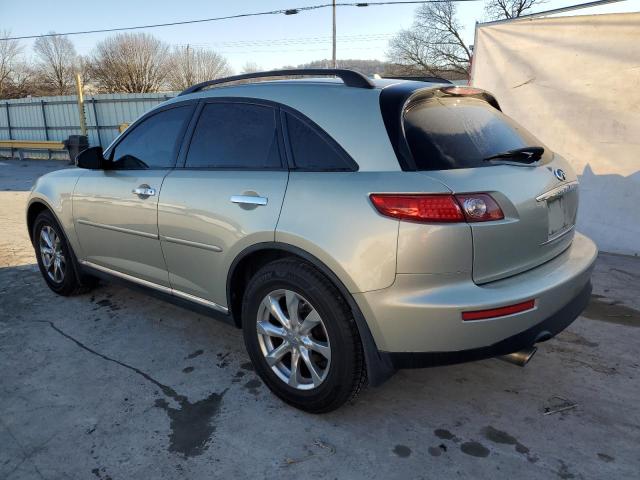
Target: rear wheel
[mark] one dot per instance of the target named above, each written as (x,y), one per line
(301,337)
(55,259)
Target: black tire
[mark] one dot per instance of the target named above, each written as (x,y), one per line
(346,372)
(69,284)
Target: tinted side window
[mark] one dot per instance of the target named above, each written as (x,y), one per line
(154,142)
(311,151)
(448,133)
(235,135)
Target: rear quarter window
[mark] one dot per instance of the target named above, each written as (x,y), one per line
(313,150)
(446,133)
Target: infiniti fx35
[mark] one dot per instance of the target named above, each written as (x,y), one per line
(351,227)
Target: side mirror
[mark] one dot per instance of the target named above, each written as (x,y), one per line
(91,159)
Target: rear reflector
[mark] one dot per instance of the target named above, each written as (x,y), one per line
(420,208)
(438,208)
(499,312)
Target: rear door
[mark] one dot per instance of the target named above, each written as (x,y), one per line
(226,196)
(116,210)
(450,138)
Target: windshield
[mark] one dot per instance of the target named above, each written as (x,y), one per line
(446,133)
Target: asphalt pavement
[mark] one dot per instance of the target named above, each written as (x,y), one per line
(115,385)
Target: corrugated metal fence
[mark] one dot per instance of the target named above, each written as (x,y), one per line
(55,118)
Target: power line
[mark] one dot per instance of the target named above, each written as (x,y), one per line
(253,52)
(287,11)
(292,41)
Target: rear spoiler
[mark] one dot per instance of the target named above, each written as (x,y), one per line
(454,91)
(419,79)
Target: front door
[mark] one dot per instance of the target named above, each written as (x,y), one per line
(227,196)
(116,210)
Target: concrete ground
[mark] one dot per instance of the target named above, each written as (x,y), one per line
(117,385)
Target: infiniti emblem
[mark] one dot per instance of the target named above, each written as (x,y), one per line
(560,175)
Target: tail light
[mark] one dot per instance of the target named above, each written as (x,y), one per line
(420,208)
(479,207)
(431,208)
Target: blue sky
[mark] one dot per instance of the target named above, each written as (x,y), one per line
(269,41)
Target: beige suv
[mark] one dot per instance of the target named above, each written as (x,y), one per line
(349,226)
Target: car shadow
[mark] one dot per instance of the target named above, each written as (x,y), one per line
(608,210)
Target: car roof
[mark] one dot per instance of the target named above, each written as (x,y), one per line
(318,82)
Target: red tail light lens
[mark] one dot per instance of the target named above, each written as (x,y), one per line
(431,208)
(419,208)
(499,312)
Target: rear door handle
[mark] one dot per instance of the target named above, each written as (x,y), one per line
(144,191)
(248,200)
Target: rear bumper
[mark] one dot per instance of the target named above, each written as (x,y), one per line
(421,314)
(543,331)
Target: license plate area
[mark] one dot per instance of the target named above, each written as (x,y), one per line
(561,213)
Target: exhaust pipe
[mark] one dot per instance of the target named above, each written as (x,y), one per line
(521,357)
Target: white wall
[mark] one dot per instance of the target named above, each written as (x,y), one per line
(575,83)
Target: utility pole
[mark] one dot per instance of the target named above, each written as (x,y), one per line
(81,115)
(188,73)
(334,35)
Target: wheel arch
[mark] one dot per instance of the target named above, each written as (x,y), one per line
(35,208)
(252,258)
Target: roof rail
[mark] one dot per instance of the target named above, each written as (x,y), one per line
(349,77)
(420,79)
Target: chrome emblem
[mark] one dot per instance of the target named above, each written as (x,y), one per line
(560,175)
(557,192)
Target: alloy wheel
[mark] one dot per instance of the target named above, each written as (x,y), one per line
(51,254)
(293,339)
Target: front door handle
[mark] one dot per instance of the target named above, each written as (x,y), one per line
(144,191)
(248,200)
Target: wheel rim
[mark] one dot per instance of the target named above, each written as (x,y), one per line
(51,254)
(293,339)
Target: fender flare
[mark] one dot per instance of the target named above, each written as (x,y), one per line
(379,366)
(46,205)
(76,265)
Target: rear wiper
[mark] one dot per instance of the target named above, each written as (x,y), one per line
(520,155)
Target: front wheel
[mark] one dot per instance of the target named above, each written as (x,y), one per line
(301,337)
(55,259)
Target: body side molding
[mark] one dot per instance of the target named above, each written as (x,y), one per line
(118,229)
(190,243)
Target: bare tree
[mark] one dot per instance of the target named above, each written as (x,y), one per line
(251,67)
(131,63)
(57,64)
(83,67)
(24,83)
(497,9)
(190,66)
(9,61)
(433,45)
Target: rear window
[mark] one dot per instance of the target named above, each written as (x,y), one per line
(446,133)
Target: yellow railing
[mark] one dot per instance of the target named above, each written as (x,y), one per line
(31,145)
